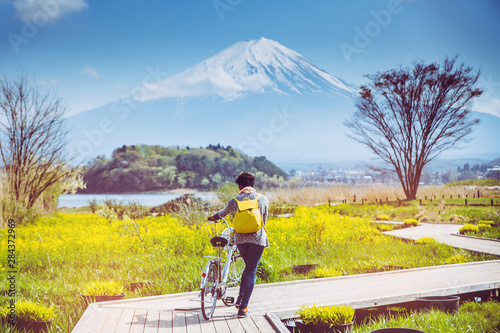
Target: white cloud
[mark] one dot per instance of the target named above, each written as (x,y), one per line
(90,71)
(47,10)
(492,106)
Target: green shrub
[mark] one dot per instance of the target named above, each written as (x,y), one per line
(468,229)
(482,227)
(490,223)
(28,310)
(426,240)
(456,259)
(410,222)
(321,272)
(385,227)
(192,214)
(326,315)
(108,213)
(422,217)
(93,205)
(102,288)
(458,219)
(135,210)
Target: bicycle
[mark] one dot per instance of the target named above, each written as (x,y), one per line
(221,279)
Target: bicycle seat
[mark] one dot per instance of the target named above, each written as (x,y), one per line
(218,241)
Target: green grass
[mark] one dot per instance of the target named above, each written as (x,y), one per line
(437,211)
(102,288)
(471,318)
(475,182)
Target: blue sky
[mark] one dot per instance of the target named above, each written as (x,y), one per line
(94,52)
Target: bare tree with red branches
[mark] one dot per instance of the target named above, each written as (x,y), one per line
(409,116)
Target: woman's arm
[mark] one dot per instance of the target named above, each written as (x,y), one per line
(231,207)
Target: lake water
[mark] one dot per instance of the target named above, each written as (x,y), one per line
(81,200)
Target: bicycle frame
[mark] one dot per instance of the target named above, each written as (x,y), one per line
(227,264)
(225,269)
(221,282)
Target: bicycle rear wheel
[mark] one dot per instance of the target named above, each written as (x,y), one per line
(233,280)
(209,292)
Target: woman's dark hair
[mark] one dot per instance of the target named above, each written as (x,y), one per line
(245,179)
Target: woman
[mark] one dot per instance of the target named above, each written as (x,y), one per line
(250,245)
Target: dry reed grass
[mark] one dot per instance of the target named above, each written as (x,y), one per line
(310,196)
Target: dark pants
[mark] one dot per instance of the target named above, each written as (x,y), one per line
(251,254)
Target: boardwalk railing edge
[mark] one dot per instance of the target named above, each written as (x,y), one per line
(87,316)
(396,299)
(276,322)
(477,238)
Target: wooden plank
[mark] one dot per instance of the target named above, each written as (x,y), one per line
(263,324)
(112,320)
(220,324)
(138,321)
(178,322)
(152,321)
(207,326)
(276,322)
(249,325)
(192,322)
(98,320)
(125,321)
(166,322)
(233,323)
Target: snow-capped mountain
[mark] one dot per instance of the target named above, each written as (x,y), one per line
(257,96)
(260,65)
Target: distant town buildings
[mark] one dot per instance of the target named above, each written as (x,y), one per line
(346,176)
(369,176)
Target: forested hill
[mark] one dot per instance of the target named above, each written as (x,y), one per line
(142,168)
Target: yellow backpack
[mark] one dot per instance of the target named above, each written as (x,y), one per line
(247,218)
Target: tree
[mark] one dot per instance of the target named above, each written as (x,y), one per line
(409,116)
(32,141)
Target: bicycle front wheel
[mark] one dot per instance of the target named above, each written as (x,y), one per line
(209,292)
(233,280)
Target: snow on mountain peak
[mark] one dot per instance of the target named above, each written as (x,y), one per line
(259,65)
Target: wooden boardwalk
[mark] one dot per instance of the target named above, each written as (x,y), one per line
(117,318)
(272,302)
(448,234)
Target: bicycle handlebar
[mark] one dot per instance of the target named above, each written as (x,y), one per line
(216,221)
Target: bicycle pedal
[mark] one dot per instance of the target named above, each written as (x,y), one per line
(229,299)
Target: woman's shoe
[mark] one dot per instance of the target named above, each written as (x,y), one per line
(242,312)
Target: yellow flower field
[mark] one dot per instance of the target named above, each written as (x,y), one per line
(58,255)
